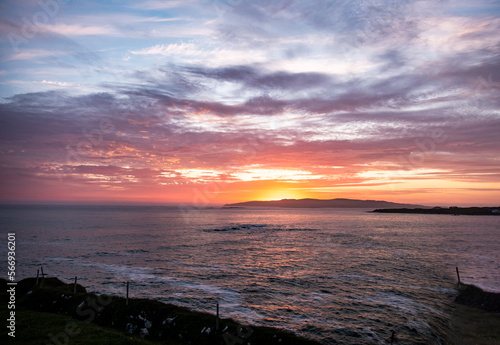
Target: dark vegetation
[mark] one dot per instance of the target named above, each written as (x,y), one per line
(52,314)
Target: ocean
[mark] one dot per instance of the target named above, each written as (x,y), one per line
(339,276)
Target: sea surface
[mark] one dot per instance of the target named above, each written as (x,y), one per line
(340,276)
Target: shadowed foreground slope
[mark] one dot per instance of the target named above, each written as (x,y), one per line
(53,314)
(476,317)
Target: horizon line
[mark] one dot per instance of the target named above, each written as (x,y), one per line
(208,205)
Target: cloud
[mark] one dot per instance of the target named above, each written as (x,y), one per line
(57,83)
(78,29)
(170,49)
(252,77)
(162,5)
(353,24)
(241,92)
(147,125)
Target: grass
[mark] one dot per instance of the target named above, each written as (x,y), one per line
(473,326)
(475,317)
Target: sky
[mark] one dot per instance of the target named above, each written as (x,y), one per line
(207,102)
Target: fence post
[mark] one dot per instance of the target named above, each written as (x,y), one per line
(217,319)
(43,275)
(126,300)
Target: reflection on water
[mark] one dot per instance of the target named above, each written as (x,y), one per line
(339,276)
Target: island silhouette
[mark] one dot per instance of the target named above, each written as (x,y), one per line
(322,203)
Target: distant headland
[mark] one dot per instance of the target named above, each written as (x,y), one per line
(320,203)
(454,210)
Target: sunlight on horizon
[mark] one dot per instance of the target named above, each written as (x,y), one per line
(281,194)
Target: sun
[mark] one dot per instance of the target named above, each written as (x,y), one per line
(281,194)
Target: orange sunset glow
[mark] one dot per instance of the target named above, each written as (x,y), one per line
(185,106)
(250,171)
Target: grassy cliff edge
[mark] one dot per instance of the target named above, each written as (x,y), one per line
(53,314)
(476,317)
